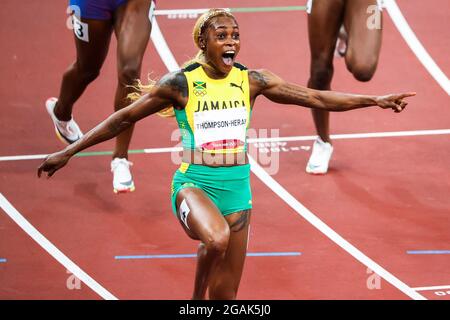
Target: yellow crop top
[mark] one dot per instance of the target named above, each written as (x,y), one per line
(217,115)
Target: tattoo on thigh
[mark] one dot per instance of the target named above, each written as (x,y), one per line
(240,223)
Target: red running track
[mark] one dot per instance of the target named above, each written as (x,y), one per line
(385,196)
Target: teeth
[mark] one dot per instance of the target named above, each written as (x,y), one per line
(230,52)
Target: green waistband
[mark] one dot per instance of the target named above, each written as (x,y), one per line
(216,173)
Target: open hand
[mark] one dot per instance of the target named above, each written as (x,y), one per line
(53,163)
(394,101)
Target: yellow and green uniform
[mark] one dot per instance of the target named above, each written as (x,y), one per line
(215,121)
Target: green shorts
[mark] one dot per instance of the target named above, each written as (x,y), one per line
(227,187)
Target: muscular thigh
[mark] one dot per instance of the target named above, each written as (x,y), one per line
(364,36)
(323,26)
(92,26)
(132,28)
(91,53)
(198,214)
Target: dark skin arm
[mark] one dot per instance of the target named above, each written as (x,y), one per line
(170,90)
(263,82)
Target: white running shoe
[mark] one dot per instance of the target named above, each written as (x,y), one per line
(67,131)
(122,180)
(341,43)
(320,157)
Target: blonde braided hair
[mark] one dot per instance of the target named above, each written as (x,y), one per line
(201,25)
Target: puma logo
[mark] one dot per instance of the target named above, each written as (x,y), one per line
(236,86)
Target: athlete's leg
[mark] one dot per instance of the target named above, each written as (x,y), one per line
(363,22)
(132,28)
(323,27)
(89,60)
(227,276)
(204,222)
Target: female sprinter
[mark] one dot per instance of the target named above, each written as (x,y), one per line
(357,24)
(212,100)
(94,21)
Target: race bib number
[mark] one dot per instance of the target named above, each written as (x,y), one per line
(81,29)
(220,129)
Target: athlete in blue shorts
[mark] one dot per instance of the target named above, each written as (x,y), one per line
(94,21)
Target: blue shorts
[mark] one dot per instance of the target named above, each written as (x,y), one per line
(96,9)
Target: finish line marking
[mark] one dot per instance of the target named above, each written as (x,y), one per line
(257,140)
(432,288)
(428,252)
(194,13)
(193,255)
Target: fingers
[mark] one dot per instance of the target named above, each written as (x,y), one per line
(400,105)
(389,105)
(404,95)
(396,105)
(395,101)
(44,167)
(51,172)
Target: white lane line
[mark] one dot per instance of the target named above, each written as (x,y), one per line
(162,48)
(180,12)
(163,150)
(432,288)
(276,139)
(24,157)
(356,135)
(415,45)
(52,250)
(330,233)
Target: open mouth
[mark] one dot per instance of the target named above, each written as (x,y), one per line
(228,57)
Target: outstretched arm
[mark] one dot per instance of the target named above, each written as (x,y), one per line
(263,82)
(170,90)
